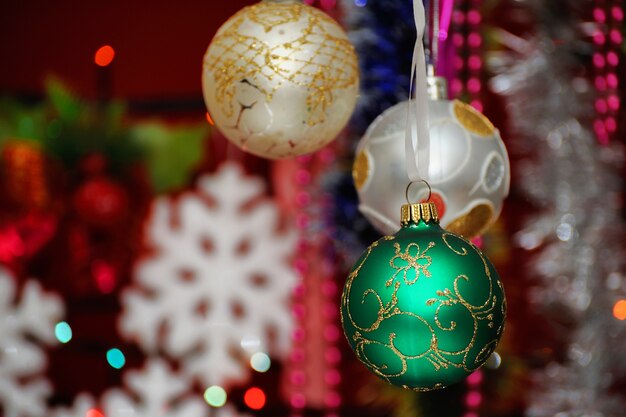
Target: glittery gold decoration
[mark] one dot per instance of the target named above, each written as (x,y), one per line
(416,212)
(473,223)
(269,16)
(272,60)
(261,60)
(360,169)
(423,308)
(410,263)
(472,119)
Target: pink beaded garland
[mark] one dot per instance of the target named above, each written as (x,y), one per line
(468,19)
(608,17)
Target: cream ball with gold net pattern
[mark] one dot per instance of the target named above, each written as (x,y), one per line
(280,79)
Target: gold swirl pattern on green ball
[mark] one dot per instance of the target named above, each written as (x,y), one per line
(317,60)
(411,322)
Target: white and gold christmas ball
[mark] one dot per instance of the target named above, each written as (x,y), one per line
(280,79)
(469,170)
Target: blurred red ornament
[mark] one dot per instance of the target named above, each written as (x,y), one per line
(93,164)
(101,202)
(11,245)
(105,276)
(24,237)
(78,244)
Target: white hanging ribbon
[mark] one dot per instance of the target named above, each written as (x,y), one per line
(417,138)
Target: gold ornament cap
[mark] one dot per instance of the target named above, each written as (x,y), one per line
(413,213)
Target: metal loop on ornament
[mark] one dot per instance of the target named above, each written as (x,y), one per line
(406,192)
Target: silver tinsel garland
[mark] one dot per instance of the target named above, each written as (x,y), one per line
(578,233)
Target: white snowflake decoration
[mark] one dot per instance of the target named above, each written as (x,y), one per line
(220,278)
(158,392)
(155,391)
(82,405)
(228,411)
(23,390)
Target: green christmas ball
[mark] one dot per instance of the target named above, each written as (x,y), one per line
(424,308)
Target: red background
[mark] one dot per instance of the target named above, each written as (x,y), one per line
(159,45)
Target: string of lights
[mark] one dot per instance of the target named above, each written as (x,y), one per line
(608,16)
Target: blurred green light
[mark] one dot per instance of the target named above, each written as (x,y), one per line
(116,358)
(260,362)
(215,396)
(54,129)
(63,332)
